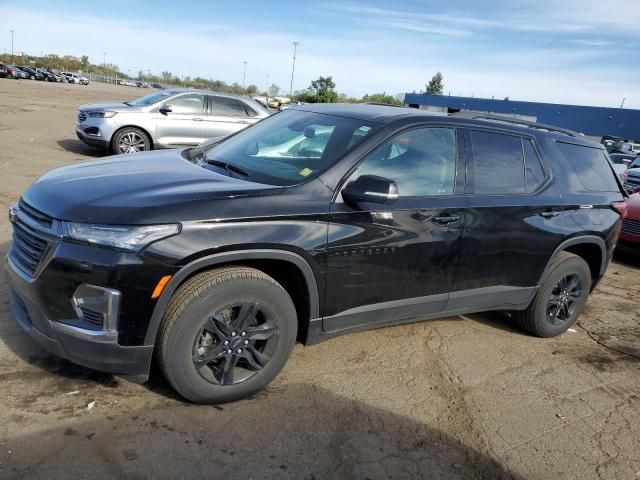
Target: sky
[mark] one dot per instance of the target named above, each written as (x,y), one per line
(560,51)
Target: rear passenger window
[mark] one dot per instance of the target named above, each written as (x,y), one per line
(590,169)
(498,163)
(534,173)
(228,107)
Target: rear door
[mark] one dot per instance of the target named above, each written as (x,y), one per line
(185,124)
(228,115)
(514,219)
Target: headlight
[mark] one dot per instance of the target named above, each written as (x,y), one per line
(129,238)
(102,114)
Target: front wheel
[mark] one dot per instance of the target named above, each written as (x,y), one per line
(130,140)
(226,334)
(561,297)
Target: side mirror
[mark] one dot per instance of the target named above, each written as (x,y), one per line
(372,189)
(164,109)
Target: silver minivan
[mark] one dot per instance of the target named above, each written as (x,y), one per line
(166,119)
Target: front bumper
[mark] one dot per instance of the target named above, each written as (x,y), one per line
(92,140)
(97,349)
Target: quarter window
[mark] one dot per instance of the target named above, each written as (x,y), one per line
(591,169)
(498,163)
(421,162)
(187,104)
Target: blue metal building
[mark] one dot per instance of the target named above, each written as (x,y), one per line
(591,121)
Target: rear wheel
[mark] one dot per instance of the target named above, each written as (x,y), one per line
(226,334)
(130,140)
(561,297)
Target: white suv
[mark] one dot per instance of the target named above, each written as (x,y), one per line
(75,78)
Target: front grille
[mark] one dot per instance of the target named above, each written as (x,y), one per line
(82,116)
(27,248)
(29,243)
(39,217)
(631,226)
(92,317)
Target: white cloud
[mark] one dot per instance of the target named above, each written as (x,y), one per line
(360,60)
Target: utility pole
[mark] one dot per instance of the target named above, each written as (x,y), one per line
(244,73)
(11,43)
(293,67)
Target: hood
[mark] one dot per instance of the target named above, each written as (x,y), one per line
(150,187)
(109,106)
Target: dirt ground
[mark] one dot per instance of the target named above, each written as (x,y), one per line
(461,397)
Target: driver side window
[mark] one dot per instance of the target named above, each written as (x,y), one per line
(187,105)
(422,161)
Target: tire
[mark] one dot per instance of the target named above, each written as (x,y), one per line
(549,315)
(130,140)
(185,336)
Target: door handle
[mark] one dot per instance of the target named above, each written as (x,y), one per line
(551,214)
(446,220)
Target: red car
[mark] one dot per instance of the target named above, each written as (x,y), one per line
(629,239)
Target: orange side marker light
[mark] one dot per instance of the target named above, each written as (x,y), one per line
(160,286)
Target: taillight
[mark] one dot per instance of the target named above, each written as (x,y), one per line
(621,208)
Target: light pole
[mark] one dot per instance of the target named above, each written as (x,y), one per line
(244,73)
(293,67)
(104,60)
(267,90)
(11,43)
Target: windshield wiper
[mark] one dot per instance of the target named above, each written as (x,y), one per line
(127,103)
(228,166)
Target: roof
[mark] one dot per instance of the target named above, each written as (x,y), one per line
(363,111)
(589,120)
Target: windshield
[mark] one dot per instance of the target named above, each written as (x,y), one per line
(149,99)
(290,147)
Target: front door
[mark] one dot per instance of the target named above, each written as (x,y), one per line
(398,261)
(185,124)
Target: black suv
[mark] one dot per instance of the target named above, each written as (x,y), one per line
(315,222)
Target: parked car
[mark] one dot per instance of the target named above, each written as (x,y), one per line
(32,73)
(216,265)
(629,239)
(623,158)
(20,73)
(48,76)
(10,70)
(631,178)
(3,71)
(165,119)
(157,85)
(76,78)
(629,147)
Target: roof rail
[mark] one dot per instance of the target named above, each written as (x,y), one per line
(514,121)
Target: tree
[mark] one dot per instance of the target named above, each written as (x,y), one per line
(274,90)
(84,62)
(323,90)
(435,85)
(381,98)
(251,90)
